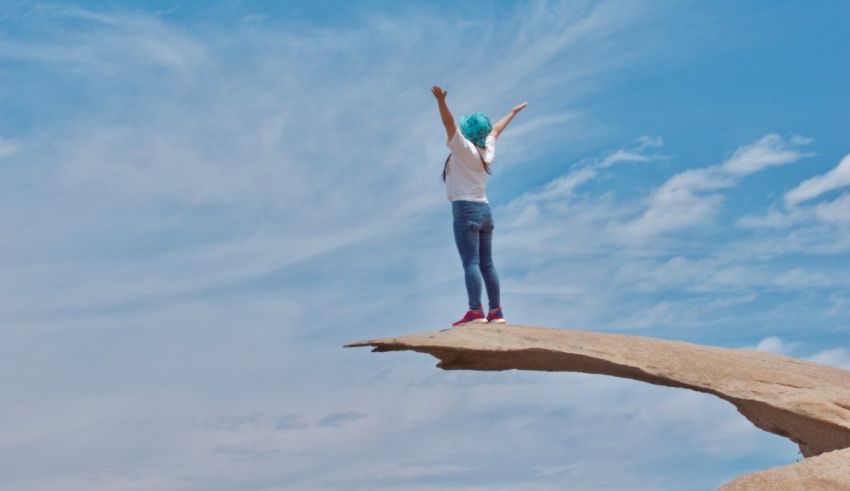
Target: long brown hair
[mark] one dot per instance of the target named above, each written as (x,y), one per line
(446,166)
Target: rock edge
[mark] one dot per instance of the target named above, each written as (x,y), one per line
(806,402)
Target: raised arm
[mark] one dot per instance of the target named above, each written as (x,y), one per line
(445,114)
(500,125)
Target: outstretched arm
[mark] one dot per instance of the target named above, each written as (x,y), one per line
(500,125)
(445,114)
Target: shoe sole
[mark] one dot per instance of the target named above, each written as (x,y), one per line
(497,321)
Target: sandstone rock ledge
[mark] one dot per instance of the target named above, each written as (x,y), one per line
(804,401)
(826,472)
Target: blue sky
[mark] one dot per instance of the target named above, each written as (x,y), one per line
(203,203)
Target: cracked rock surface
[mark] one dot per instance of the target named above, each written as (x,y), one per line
(806,402)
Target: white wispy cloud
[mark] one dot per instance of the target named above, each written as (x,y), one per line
(685,200)
(837,357)
(111,46)
(692,197)
(770,150)
(73,12)
(775,218)
(585,171)
(836,211)
(821,218)
(813,187)
(537,123)
(776,345)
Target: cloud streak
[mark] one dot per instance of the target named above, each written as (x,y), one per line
(691,198)
(813,187)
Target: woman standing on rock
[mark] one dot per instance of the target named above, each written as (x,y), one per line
(465,172)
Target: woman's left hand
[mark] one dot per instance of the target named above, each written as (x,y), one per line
(438,92)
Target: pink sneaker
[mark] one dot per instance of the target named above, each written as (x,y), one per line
(471,317)
(496,316)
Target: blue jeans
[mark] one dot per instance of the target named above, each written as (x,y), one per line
(473,229)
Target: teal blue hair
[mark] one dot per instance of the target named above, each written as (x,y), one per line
(475,128)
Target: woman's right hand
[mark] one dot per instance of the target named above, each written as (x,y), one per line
(438,92)
(519,107)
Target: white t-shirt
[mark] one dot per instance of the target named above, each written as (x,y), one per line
(466,178)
